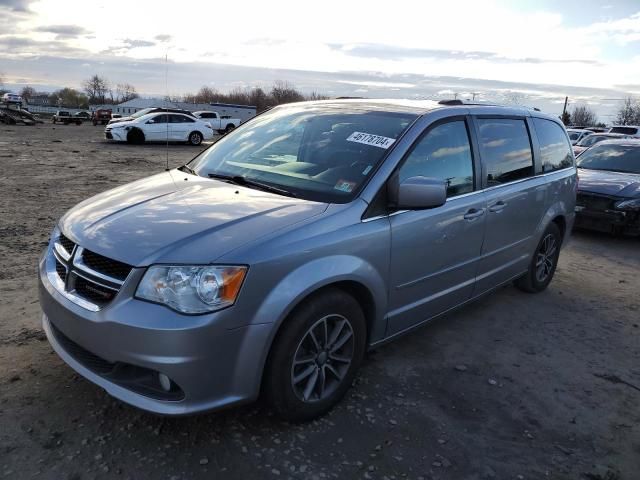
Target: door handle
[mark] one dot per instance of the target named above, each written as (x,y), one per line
(497,207)
(474,213)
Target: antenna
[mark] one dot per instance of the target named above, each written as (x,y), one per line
(166,100)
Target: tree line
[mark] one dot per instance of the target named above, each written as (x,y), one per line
(280,92)
(96,90)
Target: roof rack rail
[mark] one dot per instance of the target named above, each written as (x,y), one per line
(451,102)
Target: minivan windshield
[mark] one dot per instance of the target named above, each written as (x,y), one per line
(316,152)
(612,157)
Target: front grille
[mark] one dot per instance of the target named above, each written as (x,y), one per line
(66,243)
(61,270)
(85,357)
(106,266)
(595,202)
(93,292)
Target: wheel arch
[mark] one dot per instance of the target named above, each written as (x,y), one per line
(366,287)
(136,131)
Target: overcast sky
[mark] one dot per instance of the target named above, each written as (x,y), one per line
(541,50)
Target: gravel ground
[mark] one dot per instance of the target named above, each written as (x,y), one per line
(515,386)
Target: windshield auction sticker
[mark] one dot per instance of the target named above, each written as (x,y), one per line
(345,186)
(370,139)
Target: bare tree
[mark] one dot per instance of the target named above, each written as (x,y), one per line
(629,112)
(96,88)
(284,92)
(28,93)
(2,89)
(583,115)
(514,98)
(125,92)
(206,94)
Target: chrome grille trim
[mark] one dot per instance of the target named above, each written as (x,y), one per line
(75,268)
(61,251)
(79,264)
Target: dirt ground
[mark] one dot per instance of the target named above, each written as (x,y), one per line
(515,386)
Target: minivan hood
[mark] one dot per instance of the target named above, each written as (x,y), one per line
(174,217)
(609,183)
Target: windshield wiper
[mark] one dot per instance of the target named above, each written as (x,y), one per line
(188,169)
(246,182)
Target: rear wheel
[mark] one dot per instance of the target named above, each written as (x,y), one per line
(135,135)
(315,357)
(195,138)
(229,127)
(544,262)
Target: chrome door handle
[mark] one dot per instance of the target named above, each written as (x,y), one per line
(497,207)
(474,213)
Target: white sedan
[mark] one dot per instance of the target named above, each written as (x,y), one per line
(160,127)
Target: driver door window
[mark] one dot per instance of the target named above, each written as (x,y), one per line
(443,153)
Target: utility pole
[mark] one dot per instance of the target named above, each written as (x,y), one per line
(564,110)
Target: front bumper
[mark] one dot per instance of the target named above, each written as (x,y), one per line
(211,365)
(117,134)
(609,221)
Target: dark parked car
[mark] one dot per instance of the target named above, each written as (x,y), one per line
(609,187)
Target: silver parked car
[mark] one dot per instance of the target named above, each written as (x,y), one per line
(273,260)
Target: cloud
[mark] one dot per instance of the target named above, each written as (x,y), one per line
(392,52)
(63,31)
(28,47)
(16,5)
(163,37)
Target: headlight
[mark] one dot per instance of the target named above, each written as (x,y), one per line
(633,204)
(192,289)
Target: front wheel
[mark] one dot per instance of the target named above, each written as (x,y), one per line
(195,138)
(135,136)
(315,357)
(544,262)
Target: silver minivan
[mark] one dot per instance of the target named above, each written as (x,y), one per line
(276,258)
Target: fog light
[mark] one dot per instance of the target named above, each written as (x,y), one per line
(165,382)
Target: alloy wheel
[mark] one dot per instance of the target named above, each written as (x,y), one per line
(322,358)
(545,258)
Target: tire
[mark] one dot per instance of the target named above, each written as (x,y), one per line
(544,262)
(326,363)
(136,136)
(53,120)
(229,127)
(195,138)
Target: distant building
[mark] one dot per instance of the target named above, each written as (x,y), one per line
(39,100)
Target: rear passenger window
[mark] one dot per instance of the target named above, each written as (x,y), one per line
(443,153)
(554,147)
(506,150)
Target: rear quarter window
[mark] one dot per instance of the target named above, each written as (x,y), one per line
(555,150)
(505,148)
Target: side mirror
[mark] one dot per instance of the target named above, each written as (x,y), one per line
(416,193)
